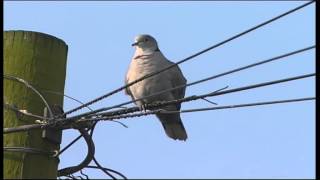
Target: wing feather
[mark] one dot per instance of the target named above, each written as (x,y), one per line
(177,79)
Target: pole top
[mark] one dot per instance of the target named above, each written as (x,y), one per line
(29,33)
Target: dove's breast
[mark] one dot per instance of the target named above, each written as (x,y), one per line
(151,85)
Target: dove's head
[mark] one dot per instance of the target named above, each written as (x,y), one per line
(145,42)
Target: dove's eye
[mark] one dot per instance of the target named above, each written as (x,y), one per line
(146,40)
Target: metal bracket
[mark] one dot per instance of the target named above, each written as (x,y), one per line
(52,134)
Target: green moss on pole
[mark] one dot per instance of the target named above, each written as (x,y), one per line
(39,59)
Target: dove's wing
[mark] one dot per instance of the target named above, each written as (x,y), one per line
(172,123)
(127,90)
(177,79)
(126,81)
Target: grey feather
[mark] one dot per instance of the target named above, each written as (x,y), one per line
(149,59)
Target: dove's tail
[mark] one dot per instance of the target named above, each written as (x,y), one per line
(173,126)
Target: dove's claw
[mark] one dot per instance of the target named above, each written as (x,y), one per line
(143,108)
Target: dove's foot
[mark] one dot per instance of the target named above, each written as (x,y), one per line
(142,107)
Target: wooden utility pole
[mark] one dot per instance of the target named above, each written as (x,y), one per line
(39,59)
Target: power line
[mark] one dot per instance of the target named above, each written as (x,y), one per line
(197,82)
(245,105)
(67,122)
(86,161)
(107,169)
(103,169)
(189,58)
(203,80)
(202,109)
(69,170)
(91,128)
(28,85)
(22,128)
(67,96)
(90,156)
(18,111)
(70,144)
(31,151)
(192,98)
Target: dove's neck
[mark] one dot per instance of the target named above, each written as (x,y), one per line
(146,51)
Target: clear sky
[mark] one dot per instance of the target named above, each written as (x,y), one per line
(274,141)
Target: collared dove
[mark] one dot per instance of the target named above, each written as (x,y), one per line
(146,60)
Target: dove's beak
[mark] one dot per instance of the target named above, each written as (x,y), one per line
(134,44)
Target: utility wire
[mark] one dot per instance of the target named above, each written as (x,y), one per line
(15,109)
(22,128)
(28,85)
(216,76)
(111,170)
(86,161)
(61,94)
(188,58)
(197,82)
(242,105)
(64,122)
(192,98)
(162,111)
(128,110)
(105,170)
(90,156)
(30,150)
(92,128)
(70,144)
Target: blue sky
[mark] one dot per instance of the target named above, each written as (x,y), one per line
(274,141)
